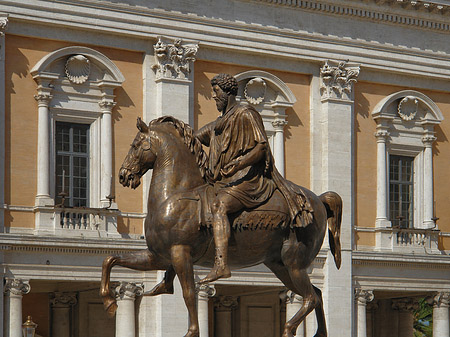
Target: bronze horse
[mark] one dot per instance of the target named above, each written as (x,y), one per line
(177,239)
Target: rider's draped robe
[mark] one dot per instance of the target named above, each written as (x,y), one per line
(230,137)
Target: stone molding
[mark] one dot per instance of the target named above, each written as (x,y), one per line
(226,303)
(292,297)
(371,14)
(337,79)
(59,299)
(3,25)
(107,105)
(129,290)
(441,299)
(405,304)
(17,287)
(173,60)
(363,296)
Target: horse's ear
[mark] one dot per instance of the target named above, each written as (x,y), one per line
(141,125)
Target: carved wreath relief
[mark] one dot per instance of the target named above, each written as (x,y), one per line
(407,108)
(255,91)
(173,60)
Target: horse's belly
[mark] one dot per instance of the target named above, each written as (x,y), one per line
(247,248)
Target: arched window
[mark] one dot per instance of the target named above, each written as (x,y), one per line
(271,97)
(405,135)
(75,96)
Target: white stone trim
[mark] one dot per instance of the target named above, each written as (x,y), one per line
(414,138)
(3,26)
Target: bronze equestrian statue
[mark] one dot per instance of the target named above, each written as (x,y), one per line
(183,205)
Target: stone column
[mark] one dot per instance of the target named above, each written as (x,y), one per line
(43,180)
(428,199)
(14,290)
(223,316)
(278,143)
(337,174)
(61,304)
(174,86)
(441,315)
(362,297)
(125,316)
(3,26)
(405,307)
(294,303)
(204,292)
(106,107)
(382,217)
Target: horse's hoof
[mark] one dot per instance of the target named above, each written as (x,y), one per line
(192,334)
(159,289)
(110,306)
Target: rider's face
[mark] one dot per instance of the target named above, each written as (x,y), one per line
(221,98)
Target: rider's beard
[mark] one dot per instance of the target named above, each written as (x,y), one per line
(221,103)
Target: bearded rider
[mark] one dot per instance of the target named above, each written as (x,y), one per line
(241,168)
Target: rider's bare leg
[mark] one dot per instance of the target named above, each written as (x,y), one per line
(223,205)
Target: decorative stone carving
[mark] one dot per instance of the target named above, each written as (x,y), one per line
(364,296)
(63,299)
(279,124)
(337,79)
(255,90)
(428,139)
(441,300)
(173,60)
(382,134)
(407,108)
(77,69)
(3,25)
(226,303)
(405,304)
(129,289)
(205,290)
(107,105)
(17,287)
(43,99)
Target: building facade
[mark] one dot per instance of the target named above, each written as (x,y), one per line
(354,95)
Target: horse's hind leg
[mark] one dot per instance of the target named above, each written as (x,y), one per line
(182,263)
(142,260)
(297,280)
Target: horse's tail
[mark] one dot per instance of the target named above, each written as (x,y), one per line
(333,204)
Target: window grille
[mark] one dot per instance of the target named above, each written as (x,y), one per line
(401,191)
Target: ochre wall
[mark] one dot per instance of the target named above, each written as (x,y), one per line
(367,96)
(297,130)
(22,123)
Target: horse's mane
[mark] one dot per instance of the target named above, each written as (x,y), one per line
(187,134)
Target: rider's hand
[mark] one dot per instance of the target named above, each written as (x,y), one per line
(230,169)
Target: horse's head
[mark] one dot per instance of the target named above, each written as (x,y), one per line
(140,158)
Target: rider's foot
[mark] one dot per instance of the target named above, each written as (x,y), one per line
(218,271)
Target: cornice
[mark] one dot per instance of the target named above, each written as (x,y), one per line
(391,260)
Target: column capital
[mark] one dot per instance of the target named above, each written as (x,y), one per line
(337,79)
(405,304)
(441,299)
(226,303)
(173,60)
(382,135)
(106,105)
(43,99)
(205,291)
(292,297)
(279,124)
(3,25)
(17,287)
(363,296)
(129,290)
(59,299)
(428,140)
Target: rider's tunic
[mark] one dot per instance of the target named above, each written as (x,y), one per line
(230,137)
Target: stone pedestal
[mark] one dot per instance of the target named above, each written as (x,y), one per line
(204,292)
(14,291)
(441,315)
(61,304)
(125,316)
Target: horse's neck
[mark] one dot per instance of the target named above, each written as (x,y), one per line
(175,169)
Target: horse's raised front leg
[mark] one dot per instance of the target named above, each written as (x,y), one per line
(182,263)
(142,260)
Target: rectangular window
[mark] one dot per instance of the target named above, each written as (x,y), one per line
(72,164)
(401,191)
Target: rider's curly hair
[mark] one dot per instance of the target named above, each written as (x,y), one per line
(226,82)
